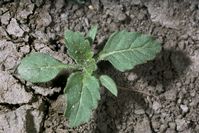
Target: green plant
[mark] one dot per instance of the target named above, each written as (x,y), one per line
(123,50)
(78,1)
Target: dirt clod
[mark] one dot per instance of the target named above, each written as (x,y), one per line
(14,28)
(11,91)
(143,127)
(25,119)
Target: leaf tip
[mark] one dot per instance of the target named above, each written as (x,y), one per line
(108,82)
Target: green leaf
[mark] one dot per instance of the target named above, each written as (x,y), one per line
(80,50)
(127,49)
(78,1)
(107,82)
(91,34)
(40,67)
(82,94)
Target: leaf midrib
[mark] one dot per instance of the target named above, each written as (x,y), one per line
(103,56)
(79,103)
(51,66)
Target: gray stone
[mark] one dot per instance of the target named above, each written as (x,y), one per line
(156,106)
(170,130)
(64,16)
(25,119)
(143,127)
(46,91)
(59,4)
(161,13)
(172,125)
(25,9)
(184,108)
(181,124)
(95,4)
(195,62)
(135,2)
(3,33)
(9,57)
(42,37)
(44,19)
(163,128)
(5,18)
(14,28)
(139,111)
(171,94)
(25,49)
(106,3)
(11,91)
(25,27)
(59,105)
(194,102)
(121,17)
(38,2)
(159,88)
(155,124)
(188,131)
(132,76)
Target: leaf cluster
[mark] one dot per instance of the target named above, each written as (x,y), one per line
(123,50)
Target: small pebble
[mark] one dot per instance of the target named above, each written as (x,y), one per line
(184,108)
(122,17)
(156,106)
(132,76)
(14,29)
(171,95)
(181,124)
(139,111)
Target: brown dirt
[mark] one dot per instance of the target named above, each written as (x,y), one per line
(160,96)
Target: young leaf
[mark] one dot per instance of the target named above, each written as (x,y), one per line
(40,67)
(91,34)
(82,94)
(79,1)
(77,45)
(107,82)
(127,49)
(80,50)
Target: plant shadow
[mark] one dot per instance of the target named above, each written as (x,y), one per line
(52,88)
(164,70)
(112,111)
(168,66)
(58,81)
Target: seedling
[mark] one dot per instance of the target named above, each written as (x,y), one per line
(79,1)
(124,50)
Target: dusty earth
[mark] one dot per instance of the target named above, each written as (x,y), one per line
(161,96)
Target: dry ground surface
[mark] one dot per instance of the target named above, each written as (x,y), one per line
(162,96)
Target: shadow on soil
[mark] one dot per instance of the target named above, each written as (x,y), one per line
(30,125)
(58,81)
(167,67)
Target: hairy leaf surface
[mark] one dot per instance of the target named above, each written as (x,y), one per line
(40,67)
(80,50)
(91,34)
(107,82)
(82,93)
(127,49)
